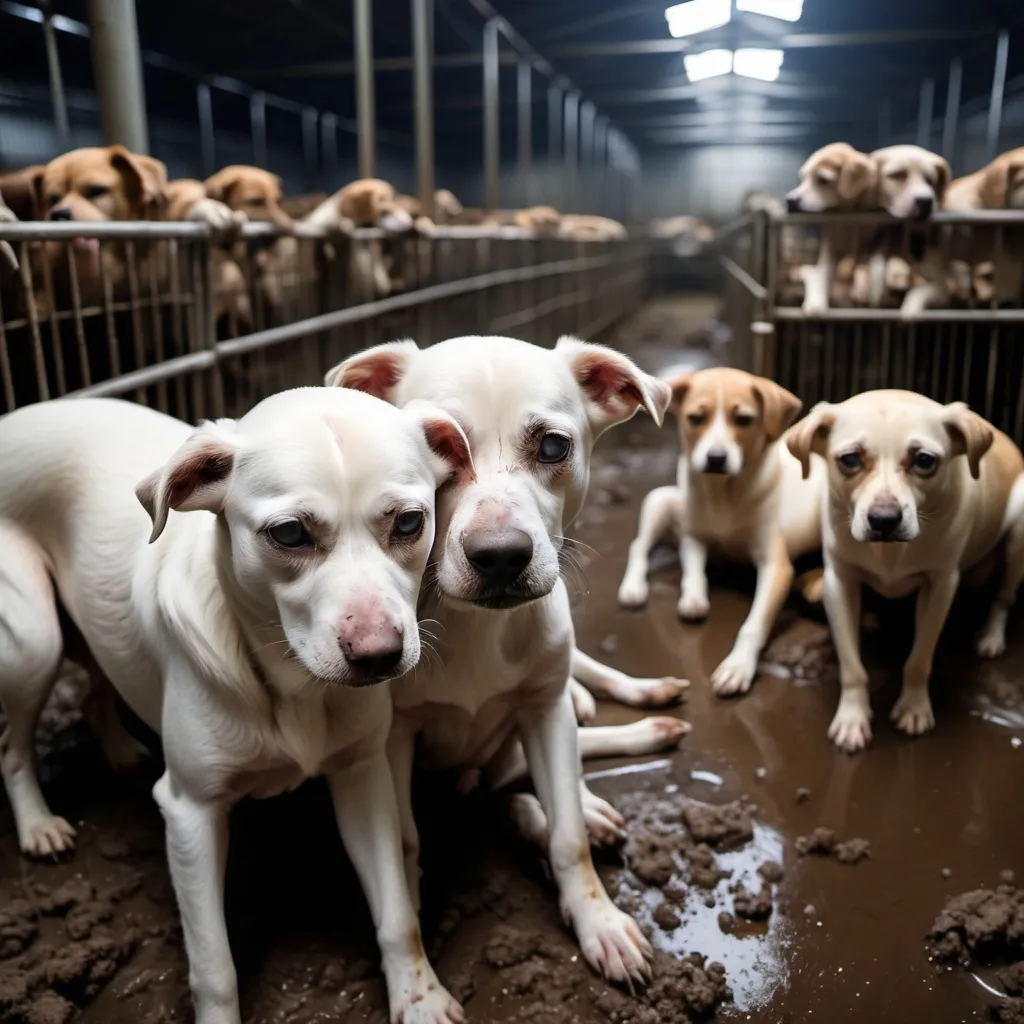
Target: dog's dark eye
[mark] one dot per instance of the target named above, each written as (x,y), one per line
(409,524)
(897,175)
(290,534)
(823,179)
(54,198)
(743,419)
(554,448)
(851,462)
(95,191)
(925,462)
(695,419)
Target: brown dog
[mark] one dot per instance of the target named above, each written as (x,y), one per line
(252,190)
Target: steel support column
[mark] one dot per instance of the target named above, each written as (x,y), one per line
(995,107)
(492,138)
(570,144)
(117,67)
(362,17)
(423,100)
(925,112)
(57,96)
(524,145)
(951,123)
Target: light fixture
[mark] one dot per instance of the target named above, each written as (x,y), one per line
(784,10)
(765,65)
(709,64)
(697,16)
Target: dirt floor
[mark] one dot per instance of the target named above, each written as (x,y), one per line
(814,878)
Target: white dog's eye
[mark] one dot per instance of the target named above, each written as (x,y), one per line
(290,534)
(695,419)
(409,524)
(850,462)
(554,448)
(743,419)
(925,462)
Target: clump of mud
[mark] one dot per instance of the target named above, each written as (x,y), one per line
(803,651)
(824,843)
(986,926)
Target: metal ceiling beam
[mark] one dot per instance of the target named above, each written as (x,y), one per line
(790,41)
(578,27)
(735,135)
(741,116)
(727,85)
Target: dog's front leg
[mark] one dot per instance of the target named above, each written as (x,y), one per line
(368,819)
(913,711)
(659,513)
(693,598)
(401,755)
(611,941)
(774,580)
(197,850)
(818,280)
(851,726)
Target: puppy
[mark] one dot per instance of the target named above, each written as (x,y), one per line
(919,494)
(836,177)
(912,185)
(542,220)
(739,491)
(506,637)
(252,190)
(999,186)
(247,632)
(586,228)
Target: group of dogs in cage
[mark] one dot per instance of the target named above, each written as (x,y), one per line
(260,591)
(112,184)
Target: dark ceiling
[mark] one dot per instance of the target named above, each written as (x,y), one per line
(833,82)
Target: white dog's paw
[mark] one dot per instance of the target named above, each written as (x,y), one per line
(605,826)
(913,713)
(651,693)
(814,306)
(693,607)
(734,675)
(851,728)
(583,702)
(48,836)
(633,593)
(612,943)
(991,643)
(428,1003)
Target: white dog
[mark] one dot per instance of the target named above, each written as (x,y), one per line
(246,633)
(506,635)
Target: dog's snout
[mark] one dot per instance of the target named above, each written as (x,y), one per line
(716,461)
(61,213)
(499,556)
(884,518)
(793,203)
(374,656)
(923,206)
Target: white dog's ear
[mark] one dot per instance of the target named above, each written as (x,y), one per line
(195,477)
(678,384)
(613,385)
(446,440)
(376,371)
(971,435)
(944,175)
(810,435)
(858,174)
(779,407)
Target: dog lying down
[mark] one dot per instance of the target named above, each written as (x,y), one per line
(920,496)
(738,492)
(503,625)
(247,633)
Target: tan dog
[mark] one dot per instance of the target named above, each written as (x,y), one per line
(740,492)
(543,220)
(836,177)
(586,228)
(19,191)
(252,190)
(919,494)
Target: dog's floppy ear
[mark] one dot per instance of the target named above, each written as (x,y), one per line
(613,385)
(679,384)
(194,478)
(218,185)
(858,175)
(779,407)
(376,371)
(810,435)
(970,434)
(446,440)
(999,179)
(944,177)
(145,176)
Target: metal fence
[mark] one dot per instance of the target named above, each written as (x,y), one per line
(163,313)
(971,349)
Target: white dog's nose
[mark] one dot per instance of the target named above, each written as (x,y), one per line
(374,652)
(498,556)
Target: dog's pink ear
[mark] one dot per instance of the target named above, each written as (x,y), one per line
(194,478)
(810,435)
(613,385)
(779,407)
(376,371)
(971,435)
(857,176)
(446,440)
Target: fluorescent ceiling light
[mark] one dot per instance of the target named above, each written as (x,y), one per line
(709,64)
(784,10)
(761,64)
(697,16)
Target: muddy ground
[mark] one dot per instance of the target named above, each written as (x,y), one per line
(809,925)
